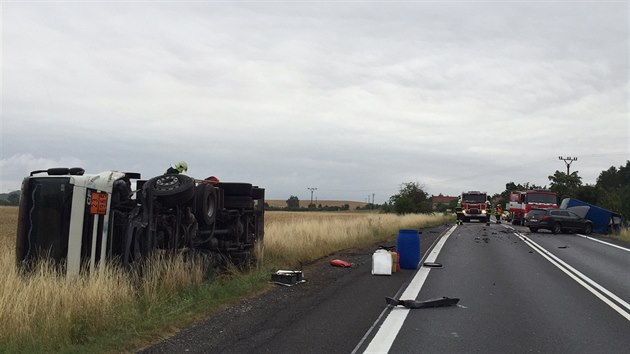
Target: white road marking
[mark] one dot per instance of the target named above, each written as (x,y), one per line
(606,243)
(579,277)
(384,338)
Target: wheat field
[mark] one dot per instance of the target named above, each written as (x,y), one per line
(47,310)
(302,237)
(277,203)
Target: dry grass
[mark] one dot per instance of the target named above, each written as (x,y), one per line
(302,237)
(45,311)
(46,304)
(304,203)
(624,235)
(8,226)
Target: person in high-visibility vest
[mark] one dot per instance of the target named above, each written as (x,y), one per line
(498,211)
(458,212)
(180,167)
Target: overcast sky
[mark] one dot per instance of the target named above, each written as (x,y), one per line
(352,98)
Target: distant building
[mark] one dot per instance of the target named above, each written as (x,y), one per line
(444,200)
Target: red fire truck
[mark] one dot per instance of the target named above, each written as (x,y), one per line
(522,202)
(472,205)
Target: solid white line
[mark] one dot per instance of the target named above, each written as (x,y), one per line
(579,277)
(579,274)
(384,338)
(387,308)
(606,243)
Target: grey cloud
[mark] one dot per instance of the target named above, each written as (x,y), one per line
(350,97)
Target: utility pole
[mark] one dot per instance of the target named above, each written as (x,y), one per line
(567,160)
(312,189)
(372,200)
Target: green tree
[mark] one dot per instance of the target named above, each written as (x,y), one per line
(611,178)
(614,189)
(14,198)
(293,202)
(588,193)
(565,185)
(452,204)
(411,199)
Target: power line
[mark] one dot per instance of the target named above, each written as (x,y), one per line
(312,189)
(567,161)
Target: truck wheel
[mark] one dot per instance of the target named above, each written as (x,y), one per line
(238,202)
(258,193)
(205,204)
(240,189)
(244,260)
(171,189)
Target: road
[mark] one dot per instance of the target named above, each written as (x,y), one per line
(519,292)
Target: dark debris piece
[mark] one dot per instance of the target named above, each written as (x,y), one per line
(413,304)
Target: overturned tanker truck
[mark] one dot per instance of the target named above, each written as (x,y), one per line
(80,220)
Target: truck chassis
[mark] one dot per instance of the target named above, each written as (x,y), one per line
(80,221)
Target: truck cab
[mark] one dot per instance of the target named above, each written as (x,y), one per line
(473,205)
(523,202)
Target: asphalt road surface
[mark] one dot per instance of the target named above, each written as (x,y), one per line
(519,293)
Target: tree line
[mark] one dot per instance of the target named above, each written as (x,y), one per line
(611,191)
(293,204)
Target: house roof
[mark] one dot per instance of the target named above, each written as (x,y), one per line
(442,199)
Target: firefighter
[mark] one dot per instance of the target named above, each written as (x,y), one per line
(498,211)
(180,167)
(488,212)
(458,212)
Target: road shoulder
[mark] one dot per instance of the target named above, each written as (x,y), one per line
(331,311)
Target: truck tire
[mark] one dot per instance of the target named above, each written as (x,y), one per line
(205,204)
(258,193)
(588,229)
(244,260)
(238,202)
(240,189)
(171,189)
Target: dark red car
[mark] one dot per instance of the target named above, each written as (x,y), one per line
(557,221)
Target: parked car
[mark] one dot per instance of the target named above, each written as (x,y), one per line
(557,221)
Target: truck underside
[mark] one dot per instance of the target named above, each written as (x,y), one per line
(80,221)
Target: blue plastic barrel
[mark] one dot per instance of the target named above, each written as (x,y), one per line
(408,247)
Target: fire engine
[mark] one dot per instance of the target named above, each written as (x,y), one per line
(522,202)
(472,205)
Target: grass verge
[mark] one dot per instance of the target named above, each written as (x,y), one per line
(623,235)
(112,311)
